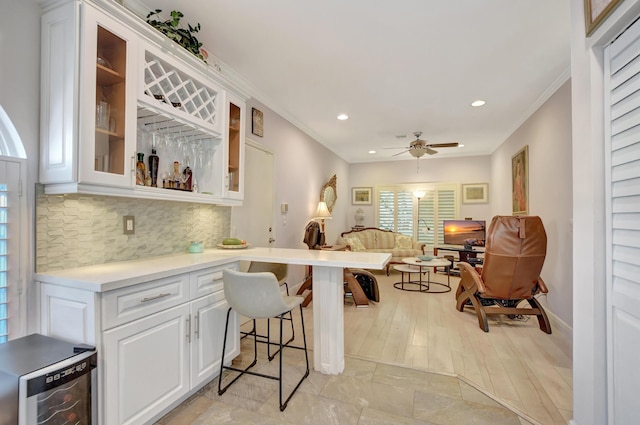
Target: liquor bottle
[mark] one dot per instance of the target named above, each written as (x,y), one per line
(187,176)
(154,162)
(141,170)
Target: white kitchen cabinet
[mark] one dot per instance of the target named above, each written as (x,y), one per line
(113,87)
(209,315)
(146,366)
(158,341)
(88,113)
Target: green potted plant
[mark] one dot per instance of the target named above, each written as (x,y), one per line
(171,28)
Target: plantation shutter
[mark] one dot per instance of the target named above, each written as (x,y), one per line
(386,209)
(447,210)
(426,215)
(405,213)
(9,248)
(4,290)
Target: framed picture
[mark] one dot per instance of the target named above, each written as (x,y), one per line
(596,11)
(477,193)
(520,181)
(257,122)
(361,195)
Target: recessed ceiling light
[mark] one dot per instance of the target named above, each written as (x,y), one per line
(460,145)
(372,152)
(343,117)
(478,103)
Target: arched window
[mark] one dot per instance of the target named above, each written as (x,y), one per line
(10,143)
(12,165)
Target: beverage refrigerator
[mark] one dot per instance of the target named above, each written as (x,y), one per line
(47,381)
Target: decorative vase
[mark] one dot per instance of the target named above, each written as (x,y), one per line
(359,216)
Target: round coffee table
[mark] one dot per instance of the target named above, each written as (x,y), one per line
(415,265)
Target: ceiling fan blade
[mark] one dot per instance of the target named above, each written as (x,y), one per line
(399,147)
(443,145)
(430,151)
(400,153)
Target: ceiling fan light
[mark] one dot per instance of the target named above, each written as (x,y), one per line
(417,152)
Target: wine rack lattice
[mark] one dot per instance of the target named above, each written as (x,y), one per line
(173,87)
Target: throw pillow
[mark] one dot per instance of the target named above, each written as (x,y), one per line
(403,242)
(356,244)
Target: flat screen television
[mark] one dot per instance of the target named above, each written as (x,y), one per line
(464,232)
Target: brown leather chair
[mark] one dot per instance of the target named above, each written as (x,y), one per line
(514,254)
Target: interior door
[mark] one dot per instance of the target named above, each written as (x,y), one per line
(622,89)
(254,220)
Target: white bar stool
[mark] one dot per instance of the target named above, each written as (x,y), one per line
(258,296)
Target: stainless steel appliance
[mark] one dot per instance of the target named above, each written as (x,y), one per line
(47,381)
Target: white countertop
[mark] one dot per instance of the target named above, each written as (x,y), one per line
(109,276)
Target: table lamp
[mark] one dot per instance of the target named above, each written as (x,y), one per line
(322,214)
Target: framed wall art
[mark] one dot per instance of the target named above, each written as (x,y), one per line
(520,181)
(257,122)
(476,193)
(596,11)
(361,195)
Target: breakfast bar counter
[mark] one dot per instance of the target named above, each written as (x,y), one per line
(328,314)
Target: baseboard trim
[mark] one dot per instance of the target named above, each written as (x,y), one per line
(557,323)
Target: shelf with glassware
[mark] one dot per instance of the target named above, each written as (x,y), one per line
(179,161)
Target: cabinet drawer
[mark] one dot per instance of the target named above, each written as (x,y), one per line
(127,304)
(209,280)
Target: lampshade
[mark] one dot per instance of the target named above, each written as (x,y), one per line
(322,211)
(419,194)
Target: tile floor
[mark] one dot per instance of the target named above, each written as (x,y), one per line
(410,359)
(367,393)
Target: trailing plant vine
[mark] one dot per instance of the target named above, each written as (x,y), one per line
(171,28)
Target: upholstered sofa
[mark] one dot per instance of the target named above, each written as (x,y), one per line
(379,240)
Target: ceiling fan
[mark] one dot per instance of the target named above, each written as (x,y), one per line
(419,147)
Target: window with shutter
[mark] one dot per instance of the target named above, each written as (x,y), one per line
(4,298)
(398,210)
(12,220)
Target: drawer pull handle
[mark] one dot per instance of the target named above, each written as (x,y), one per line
(147,299)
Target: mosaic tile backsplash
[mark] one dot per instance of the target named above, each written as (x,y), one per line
(82,230)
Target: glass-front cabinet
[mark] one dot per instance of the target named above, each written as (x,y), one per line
(234,183)
(108,159)
(88,140)
(127,112)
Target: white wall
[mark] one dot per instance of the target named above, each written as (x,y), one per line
(302,167)
(20,97)
(472,169)
(548,134)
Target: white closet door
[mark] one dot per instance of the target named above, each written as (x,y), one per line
(622,155)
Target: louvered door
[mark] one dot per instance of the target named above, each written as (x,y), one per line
(622,155)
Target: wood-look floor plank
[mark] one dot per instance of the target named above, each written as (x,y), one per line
(514,361)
